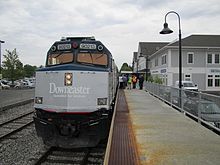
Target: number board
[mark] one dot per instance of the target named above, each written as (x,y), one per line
(64,46)
(87,46)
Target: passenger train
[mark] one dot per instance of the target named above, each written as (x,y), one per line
(75,93)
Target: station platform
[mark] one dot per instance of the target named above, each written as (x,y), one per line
(163,135)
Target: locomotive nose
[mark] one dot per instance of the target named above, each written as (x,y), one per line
(69,130)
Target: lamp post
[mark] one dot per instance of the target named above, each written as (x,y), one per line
(137,64)
(146,70)
(167,30)
(0,58)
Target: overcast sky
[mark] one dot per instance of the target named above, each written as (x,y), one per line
(31,26)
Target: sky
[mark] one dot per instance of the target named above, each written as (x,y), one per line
(32,26)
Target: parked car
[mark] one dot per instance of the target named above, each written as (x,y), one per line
(18,85)
(29,84)
(4,86)
(187,85)
(210,111)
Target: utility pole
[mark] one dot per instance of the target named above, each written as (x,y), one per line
(0,59)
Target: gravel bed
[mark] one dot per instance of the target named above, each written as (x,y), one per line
(22,146)
(21,150)
(16,111)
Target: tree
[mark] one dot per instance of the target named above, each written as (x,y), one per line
(29,70)
(19,72)
(12,66)
(125,67)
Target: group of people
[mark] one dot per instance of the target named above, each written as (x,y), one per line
(130,81)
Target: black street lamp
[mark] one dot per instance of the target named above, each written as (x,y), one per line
(166,30)
(1,42)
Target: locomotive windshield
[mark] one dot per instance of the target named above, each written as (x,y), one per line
(80,51)
(83,58)
(93,58)
(60,58)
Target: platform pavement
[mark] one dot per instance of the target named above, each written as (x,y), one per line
(166,137)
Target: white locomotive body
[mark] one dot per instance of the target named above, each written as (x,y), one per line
(75,93)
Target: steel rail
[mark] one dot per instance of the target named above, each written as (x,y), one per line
(19,117)
(19,128)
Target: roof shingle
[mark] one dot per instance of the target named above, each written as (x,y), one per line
(200,41)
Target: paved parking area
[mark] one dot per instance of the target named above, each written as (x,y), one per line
(12,96)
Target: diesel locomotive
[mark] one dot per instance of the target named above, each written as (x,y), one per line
(75,93)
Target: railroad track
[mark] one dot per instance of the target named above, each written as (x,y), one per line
(80,156)
(12,126)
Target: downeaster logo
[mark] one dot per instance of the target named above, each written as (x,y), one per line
(68,90)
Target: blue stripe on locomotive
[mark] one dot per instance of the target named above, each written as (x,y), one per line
(74,66)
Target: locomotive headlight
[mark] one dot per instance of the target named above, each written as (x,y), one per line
(39,100)
(68,79)
(102,101)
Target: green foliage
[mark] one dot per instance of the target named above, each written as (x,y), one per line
(12,66)
(157,80)
(29,70)
(150,79)
(125,67)
(13,69)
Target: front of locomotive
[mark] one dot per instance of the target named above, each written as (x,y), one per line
(72,92)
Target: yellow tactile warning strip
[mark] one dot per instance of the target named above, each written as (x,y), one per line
(123,147)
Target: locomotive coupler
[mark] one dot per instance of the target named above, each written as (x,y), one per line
(69,130)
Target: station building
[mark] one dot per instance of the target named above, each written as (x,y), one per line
(200,61)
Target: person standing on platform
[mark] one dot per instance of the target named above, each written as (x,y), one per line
(141,81)
(134,81)
(129,82)
(120,79)
(124,81)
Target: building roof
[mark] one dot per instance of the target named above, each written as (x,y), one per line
(199,41)
(148,48)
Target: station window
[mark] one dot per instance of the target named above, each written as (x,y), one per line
(213,58)
(214,80)
(210,80)
(156,62)
(216,58)
(209,59)
(217,80)
(164,59)
(187,77)
(190,58)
